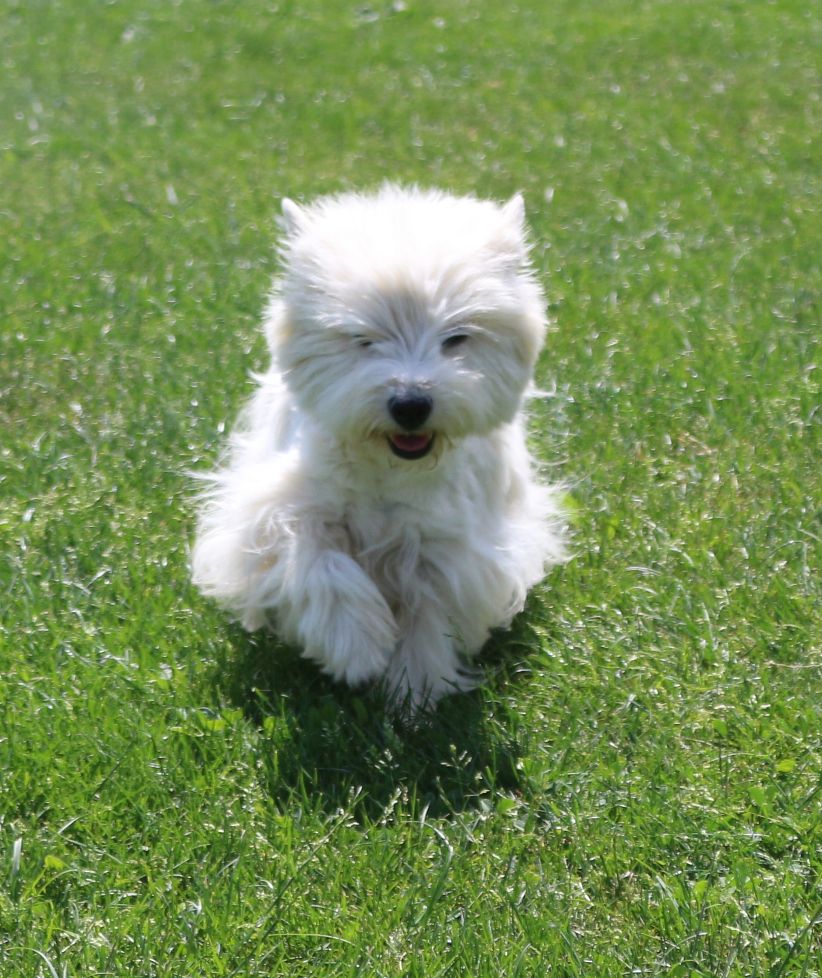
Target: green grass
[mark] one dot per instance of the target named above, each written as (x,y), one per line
(636,790)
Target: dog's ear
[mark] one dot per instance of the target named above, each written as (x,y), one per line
(514,211)
(293,218)
(512,236)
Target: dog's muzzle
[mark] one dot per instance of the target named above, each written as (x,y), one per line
(410,411)
(411,447)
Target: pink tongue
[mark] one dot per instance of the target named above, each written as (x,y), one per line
(410,443)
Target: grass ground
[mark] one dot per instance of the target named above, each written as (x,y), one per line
(636,790)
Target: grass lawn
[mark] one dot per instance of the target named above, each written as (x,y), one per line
(636,789)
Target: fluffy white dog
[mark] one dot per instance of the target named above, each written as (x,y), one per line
(378,505)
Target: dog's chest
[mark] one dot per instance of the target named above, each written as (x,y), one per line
(377,527)
(395,546)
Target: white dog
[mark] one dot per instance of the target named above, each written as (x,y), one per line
(378,504)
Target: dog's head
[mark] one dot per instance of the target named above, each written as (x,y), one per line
(405,320)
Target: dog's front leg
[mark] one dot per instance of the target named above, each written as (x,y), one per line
(335,611)
(427,663)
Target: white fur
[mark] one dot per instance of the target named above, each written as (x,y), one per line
(379,567)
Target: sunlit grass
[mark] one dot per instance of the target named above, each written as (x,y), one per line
(636,788)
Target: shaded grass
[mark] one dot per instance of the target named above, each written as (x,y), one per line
(636,789)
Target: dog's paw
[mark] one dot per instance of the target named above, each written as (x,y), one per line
(411,693)
(346,625)
(428,664)
(356,650)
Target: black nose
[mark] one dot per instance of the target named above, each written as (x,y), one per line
(410,411)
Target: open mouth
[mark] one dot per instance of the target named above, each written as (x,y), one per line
(411,446)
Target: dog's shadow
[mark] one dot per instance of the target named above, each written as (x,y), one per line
(327,747)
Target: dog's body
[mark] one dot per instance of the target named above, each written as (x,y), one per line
(378,502)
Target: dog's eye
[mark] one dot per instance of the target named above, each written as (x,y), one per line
(362,342)
(454,340)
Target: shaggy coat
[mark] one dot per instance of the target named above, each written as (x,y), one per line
(377,505)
